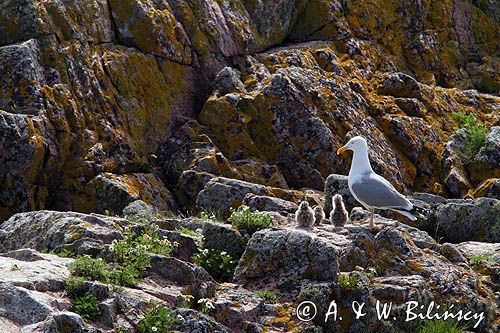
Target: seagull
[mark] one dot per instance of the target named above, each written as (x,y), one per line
(372,190)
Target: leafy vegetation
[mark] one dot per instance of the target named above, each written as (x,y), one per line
(64,253)
(131,254)
(478,258)
(130,258)
(74,286)
(475,136)
(244,218)
(220,265)
(348,282)
(158,319)
(267,295)
(210,216)
(189,232)
(90,268)
(440,326)
(87,306)
(124,276)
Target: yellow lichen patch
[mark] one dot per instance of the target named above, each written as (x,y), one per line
(483,188)
(36,140)
(151,29)
(285,319)
(145,97)
(233,138)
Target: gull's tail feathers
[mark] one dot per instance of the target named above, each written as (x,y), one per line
(407,214)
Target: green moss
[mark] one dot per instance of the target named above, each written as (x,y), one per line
(348,282)
(476,259)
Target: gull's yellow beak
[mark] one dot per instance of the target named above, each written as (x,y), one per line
(341,150)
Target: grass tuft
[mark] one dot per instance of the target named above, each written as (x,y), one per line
(475,135)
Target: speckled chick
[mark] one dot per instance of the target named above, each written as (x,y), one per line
(319,215)
(304,215)
(339,216)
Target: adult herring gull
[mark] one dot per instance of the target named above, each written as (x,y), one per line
(371,190)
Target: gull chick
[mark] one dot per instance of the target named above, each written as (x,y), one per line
(304,215)
(371,190)
(339,215)
(319,215)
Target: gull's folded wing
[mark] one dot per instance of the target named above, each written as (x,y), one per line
(375,191)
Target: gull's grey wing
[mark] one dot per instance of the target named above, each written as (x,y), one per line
(375,191)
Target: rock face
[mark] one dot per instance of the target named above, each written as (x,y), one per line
(106,102)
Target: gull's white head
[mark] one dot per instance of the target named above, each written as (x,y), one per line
(358,143)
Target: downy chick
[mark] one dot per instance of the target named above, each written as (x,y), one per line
(304,215)
(339,215)
(319,215)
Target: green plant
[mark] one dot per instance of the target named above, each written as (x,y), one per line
(476,259)
(348,282)
(210,216)
(124,276)
(475,135)
(244,218)
(206,305)
(74,286)
(189,232)
(90,268)
(14,268)
(65,253)
(187,301)
(267,295)
(132,254)
(158,319)
(87,306)
(440,326)
(220,265)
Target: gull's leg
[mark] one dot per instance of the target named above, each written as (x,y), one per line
(372,210)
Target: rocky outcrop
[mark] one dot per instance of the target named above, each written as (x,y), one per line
(337,184)
(282,257)
(57,231)
(464,220)
(394,262)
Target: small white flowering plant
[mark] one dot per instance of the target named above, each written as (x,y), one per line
(206,305)
(157,319)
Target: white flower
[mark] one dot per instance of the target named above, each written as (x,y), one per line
(210,305)
(154,329)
